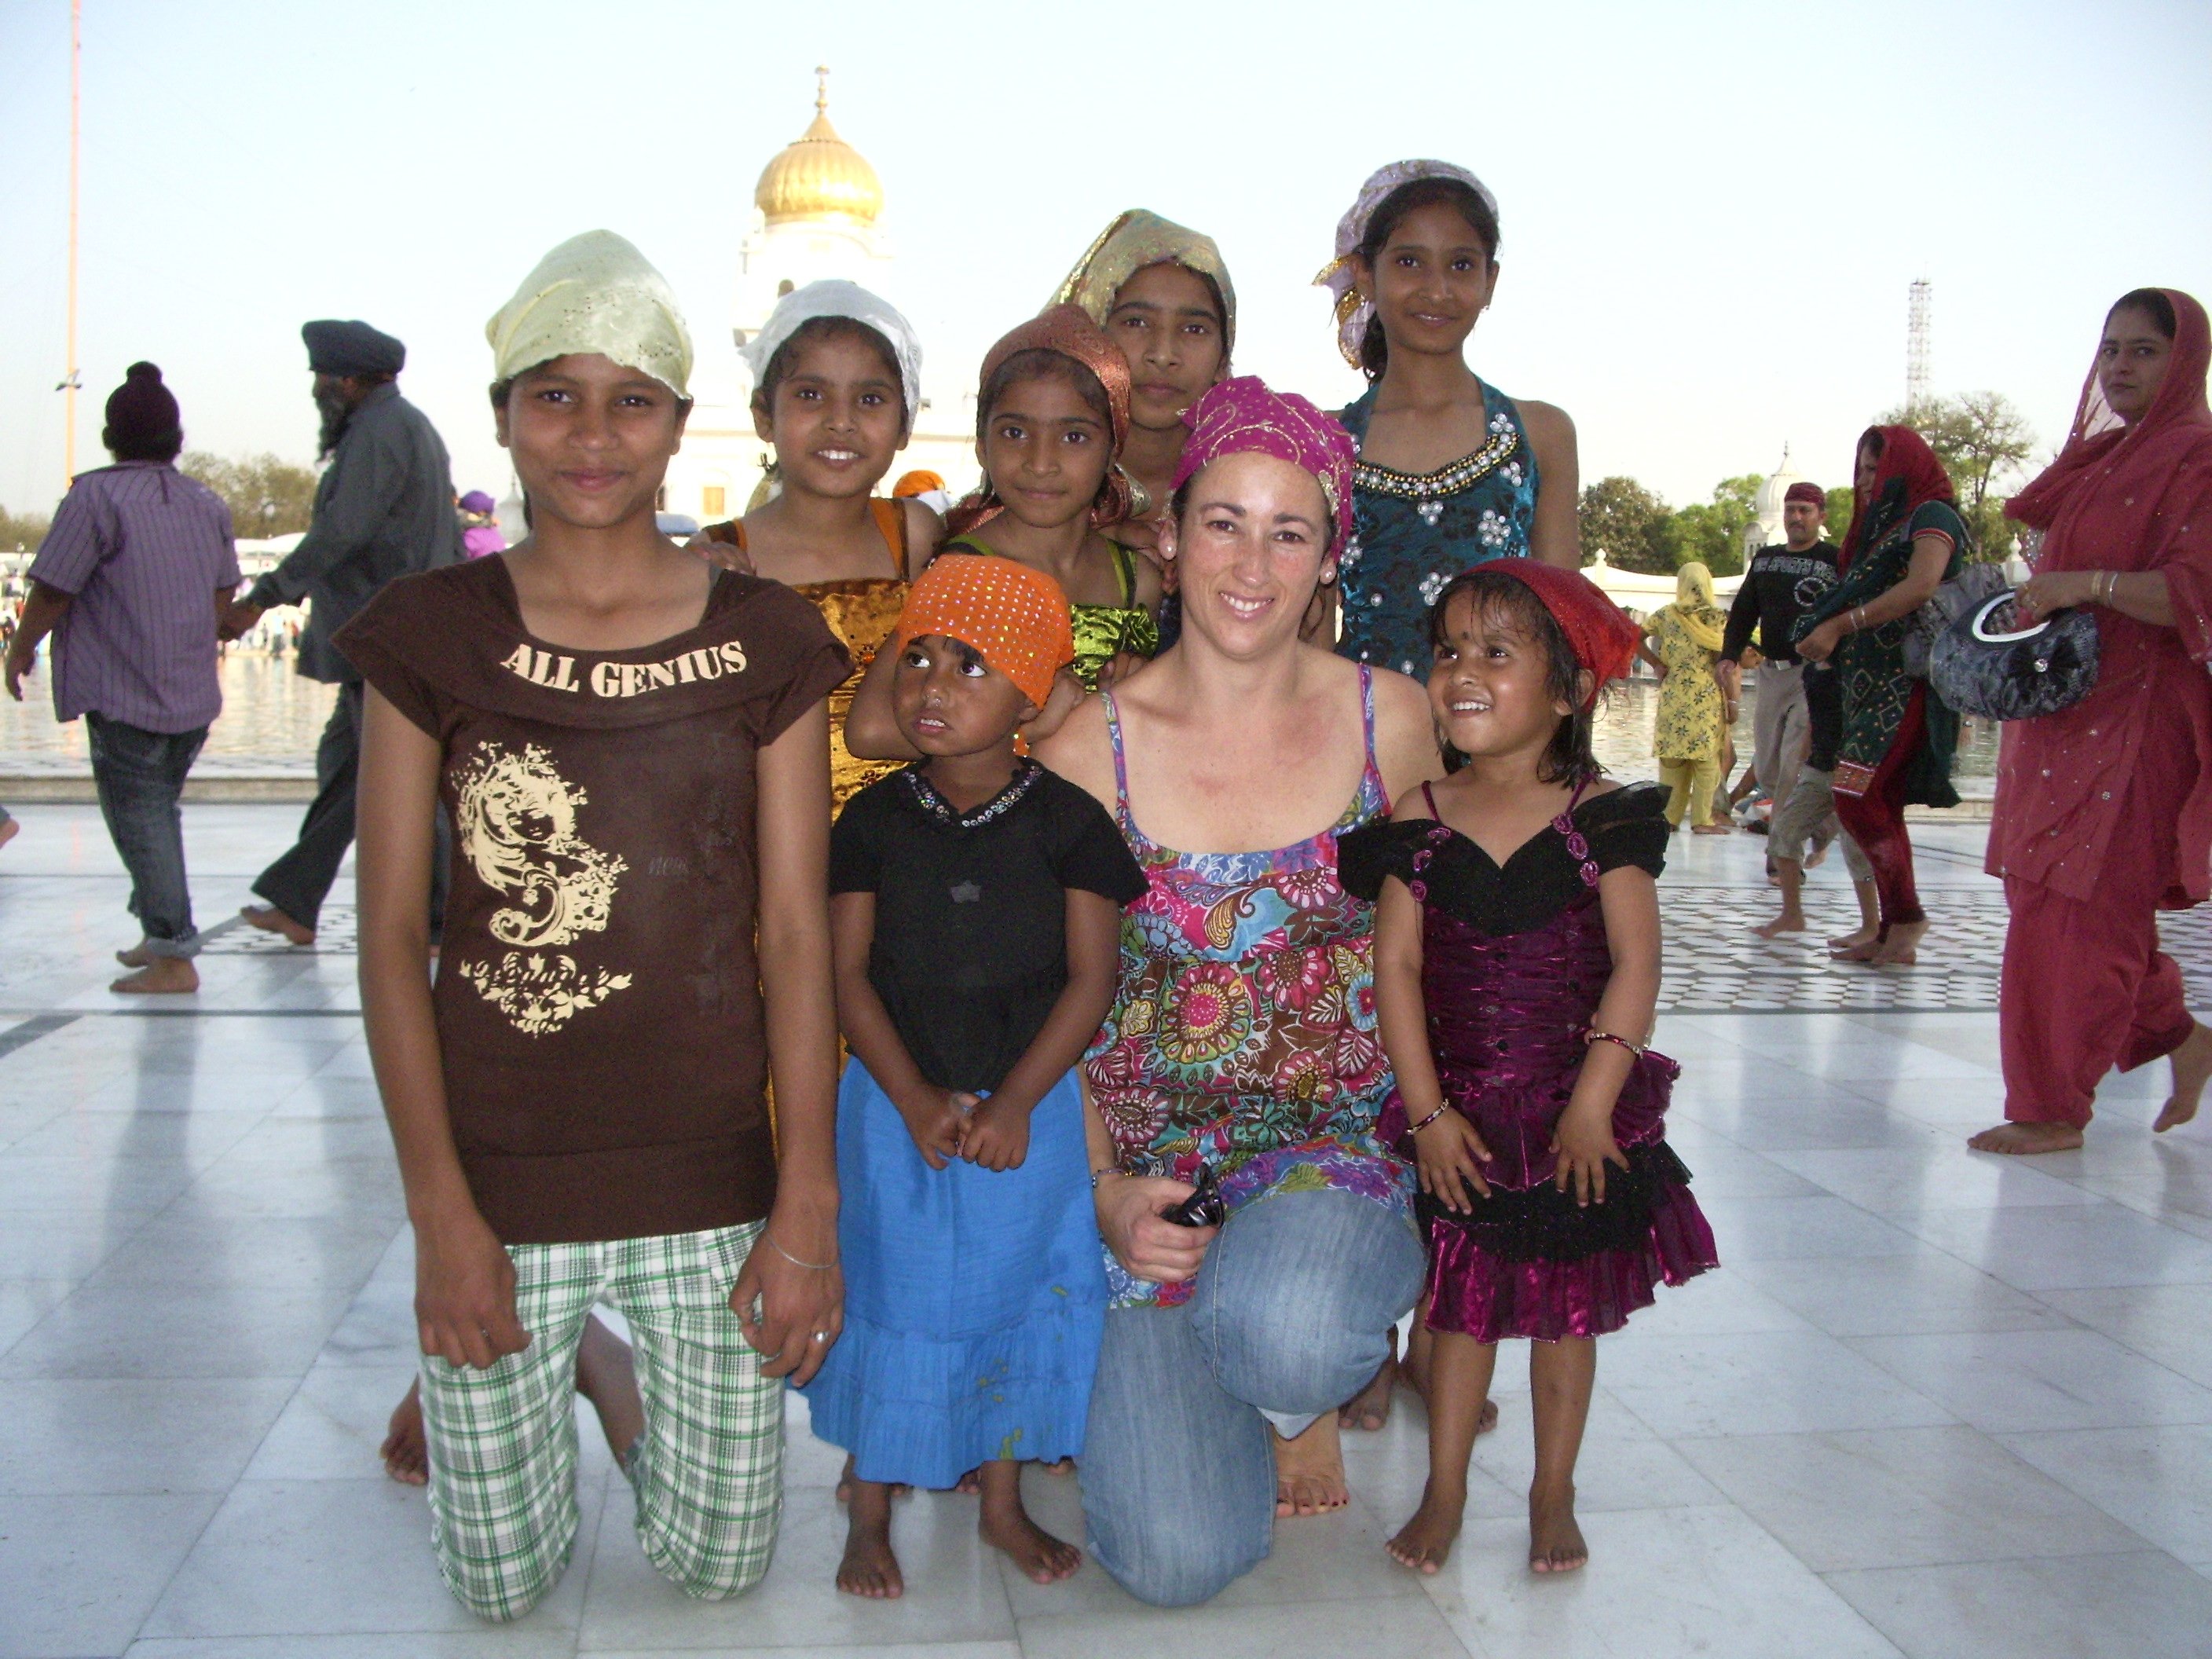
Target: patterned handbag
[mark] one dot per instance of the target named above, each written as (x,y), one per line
(1983,666)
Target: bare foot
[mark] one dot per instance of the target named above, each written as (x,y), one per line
(1309,1470)
(1818,856)
(2025,1140)
(899,1489)
(1486,1418)
(9,831)
(869,1569)
(270,920)
(1865,949)
(1854,939)
(969,1485)
(1789,921)
(1555,1542)
(163,976)
(406,1450)
(1370,1409)
(1424,1541)
(1712,829)
(606,1374)
(1006,1525)
(2192,1068)
(1897,950)
(136,957)
(1064,1468)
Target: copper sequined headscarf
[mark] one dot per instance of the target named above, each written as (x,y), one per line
(1068,330)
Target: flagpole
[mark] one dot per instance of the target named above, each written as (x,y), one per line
(70,384)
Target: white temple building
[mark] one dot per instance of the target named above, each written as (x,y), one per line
(816,213)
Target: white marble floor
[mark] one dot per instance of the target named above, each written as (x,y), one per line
(1934,1404)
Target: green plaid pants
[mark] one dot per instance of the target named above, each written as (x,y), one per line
(708,1474)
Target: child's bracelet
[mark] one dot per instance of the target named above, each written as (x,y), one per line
(1110,1169)
(1593,1035)
(1430,1119)
(811,1266)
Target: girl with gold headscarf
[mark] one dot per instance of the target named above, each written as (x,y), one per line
(1162,294)
(632,748)
(1683,642)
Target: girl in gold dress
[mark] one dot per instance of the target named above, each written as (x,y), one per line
(837,378)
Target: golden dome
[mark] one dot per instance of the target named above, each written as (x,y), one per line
(819,176)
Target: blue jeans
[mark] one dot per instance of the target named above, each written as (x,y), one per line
(140,776)
(1290,1316)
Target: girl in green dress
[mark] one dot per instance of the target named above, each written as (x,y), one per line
(1052,415)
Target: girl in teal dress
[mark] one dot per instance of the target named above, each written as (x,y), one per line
(1452,472)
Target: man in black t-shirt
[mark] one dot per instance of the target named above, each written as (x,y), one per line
(1782,584)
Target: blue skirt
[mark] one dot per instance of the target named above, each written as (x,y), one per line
(974,1299)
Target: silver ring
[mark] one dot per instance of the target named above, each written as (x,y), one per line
(821,1336)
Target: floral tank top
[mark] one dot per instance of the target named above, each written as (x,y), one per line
(1413,531)
(1242,1035)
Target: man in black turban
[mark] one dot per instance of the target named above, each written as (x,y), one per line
(383,509)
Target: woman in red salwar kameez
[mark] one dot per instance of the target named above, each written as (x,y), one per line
(2103,811)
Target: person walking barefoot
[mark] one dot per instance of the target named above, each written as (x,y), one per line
(2104,809)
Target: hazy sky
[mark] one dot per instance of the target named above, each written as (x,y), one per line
(1711,212)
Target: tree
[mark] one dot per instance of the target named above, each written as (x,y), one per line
(22,532)
(1984,441)
(266,496)
(1838,524)
(1627,522)
(1711,532)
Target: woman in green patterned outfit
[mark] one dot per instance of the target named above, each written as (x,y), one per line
(1906,540)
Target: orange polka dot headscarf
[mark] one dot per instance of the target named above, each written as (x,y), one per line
(1013,617)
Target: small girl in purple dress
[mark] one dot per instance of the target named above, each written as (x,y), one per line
(1516,968)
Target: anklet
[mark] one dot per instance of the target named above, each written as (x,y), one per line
(811,1266)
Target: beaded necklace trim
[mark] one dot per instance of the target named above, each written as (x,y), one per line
(1025,776)
(1445,481)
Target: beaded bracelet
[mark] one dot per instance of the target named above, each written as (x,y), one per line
(1593,1035)
(1427,1120)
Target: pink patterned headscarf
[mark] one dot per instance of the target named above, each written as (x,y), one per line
(1243,417)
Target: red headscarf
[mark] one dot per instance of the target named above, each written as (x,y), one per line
(2120,497)
(1906,460)
(1068,330)
(1599,631)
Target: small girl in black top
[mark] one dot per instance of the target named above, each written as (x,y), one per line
(975,915)
(1516,972)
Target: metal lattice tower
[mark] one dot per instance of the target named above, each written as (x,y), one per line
(1919,344)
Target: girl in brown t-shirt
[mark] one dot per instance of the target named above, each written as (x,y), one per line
(632,749)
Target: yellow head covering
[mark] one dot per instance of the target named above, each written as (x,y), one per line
(594,293)
(1138,239)
(1697,605)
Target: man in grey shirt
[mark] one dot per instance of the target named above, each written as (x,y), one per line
(383,509)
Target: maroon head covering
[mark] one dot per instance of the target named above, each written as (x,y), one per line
(2120,497)
(1600,632)
(1243,417)
(1811,493)
(1068,330)
(1906,479)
